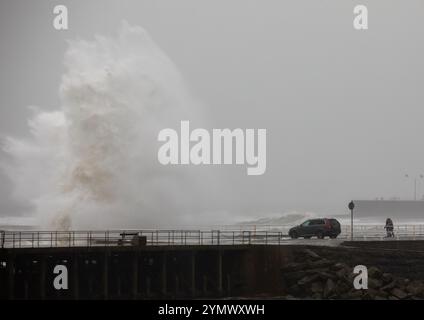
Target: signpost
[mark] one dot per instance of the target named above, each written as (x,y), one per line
(351,206)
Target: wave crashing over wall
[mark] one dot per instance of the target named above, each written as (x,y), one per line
(92,163)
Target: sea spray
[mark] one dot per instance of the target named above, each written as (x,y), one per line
(92,163)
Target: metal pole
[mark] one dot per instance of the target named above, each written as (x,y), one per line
(351,225)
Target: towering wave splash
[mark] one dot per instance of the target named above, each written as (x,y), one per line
(92,163)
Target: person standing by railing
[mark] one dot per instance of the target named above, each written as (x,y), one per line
(389,228)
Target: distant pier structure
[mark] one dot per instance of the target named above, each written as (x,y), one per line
(412,210)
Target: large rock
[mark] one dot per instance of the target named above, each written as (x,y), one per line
(374,283)
(389,286)
(329,289)
(309,253)
(323,263)
(342,273)
(342,287)
(374,272)
(415,288)
(339,265)
(399,293)
(317,296)
(318,270)
(383,294)
(386,278)
(402,282)
(308,279)
(317,287)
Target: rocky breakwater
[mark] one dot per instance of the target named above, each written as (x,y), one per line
(311,276)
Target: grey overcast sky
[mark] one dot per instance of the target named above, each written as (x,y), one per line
(343,108)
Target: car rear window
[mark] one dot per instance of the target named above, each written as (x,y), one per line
(334,223)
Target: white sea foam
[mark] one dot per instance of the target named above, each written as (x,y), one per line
(92,162)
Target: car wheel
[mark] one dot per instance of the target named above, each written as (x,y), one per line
(320,235)
(333,237)
(307,237)
(293,235)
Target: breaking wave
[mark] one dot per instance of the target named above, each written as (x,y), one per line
(92,163)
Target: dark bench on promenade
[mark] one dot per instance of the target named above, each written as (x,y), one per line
(136,240)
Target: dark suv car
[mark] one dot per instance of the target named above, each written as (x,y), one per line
(316,227)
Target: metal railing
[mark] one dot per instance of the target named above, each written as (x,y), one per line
(377,232)
(360,231)
(274,235)
(51,239)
